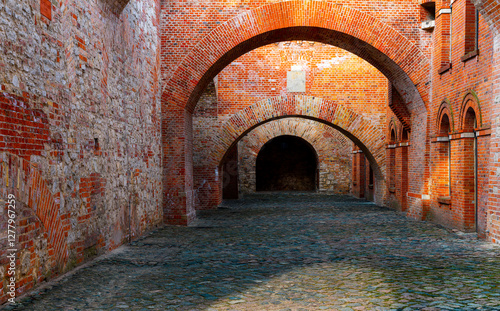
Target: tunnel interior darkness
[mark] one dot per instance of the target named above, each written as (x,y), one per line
(287,163)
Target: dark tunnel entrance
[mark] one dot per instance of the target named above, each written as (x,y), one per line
(287,163)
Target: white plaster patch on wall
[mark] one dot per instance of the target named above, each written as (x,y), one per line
(327,63)
(296,81)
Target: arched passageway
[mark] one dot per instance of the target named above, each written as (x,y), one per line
(386,49)
(355,127)
(287,163)
(334,151)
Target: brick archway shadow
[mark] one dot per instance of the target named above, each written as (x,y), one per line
(367,137)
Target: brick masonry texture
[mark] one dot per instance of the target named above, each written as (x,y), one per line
(333,150)
(117,115)
(422,126)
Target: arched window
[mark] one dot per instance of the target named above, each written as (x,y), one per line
(444,158)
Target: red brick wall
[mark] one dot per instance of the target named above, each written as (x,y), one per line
(331,73)
(468,80)
(354,30)
(40,227)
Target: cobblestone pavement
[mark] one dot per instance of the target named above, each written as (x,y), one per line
(288,252)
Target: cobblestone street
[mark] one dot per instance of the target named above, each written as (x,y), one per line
(288,252)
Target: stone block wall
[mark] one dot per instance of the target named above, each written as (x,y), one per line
(79,130)
(333,150)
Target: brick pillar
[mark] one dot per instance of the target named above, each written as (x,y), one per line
(443,32)
(401,175)
(391,177)
(462,187)
(177,139)
(493,223)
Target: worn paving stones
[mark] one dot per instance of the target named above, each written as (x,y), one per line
(288,252)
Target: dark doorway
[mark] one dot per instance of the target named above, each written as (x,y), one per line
(230,175)
(287,163)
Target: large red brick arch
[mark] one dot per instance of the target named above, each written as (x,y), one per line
(401,61)
(404,64)
(354,126)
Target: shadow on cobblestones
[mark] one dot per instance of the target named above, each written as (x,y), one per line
(288,252)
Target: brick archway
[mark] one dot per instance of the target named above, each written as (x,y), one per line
(367,137)
(401,61)
(354,126)
(330,145)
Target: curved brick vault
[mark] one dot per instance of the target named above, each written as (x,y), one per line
(403,63)
(369,139)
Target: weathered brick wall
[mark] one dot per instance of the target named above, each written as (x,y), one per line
(80,108)
(467,80)
(80,105)
(333,150)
